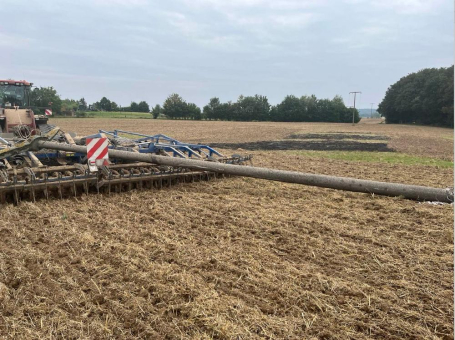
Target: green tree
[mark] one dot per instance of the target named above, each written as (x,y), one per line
(342,113)
(82,105)
(143,107)
(338,110)
(289,110)
(175,107)
(253,108)
(228,111)
(311,109)
(156,111)
(134,107)
(45,97)
(325,111)
(69,106)
(105,104)
(211,111)
(423,97)
(311,104)
(194,112)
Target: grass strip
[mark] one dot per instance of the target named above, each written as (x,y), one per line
(377,157)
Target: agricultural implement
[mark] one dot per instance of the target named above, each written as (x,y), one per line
(55,163)
(31,170)
(16,114)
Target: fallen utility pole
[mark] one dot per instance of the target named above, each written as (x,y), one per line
(414,192)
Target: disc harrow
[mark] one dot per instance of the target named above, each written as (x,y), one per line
(75,180)
(31,175)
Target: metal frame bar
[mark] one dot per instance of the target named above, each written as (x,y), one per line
(151,143)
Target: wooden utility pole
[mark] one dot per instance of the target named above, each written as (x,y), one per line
(353,111)
(371,111)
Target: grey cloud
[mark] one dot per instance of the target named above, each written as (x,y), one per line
(145,50)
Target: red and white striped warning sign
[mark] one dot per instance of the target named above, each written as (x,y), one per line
(48,112)
(97,152)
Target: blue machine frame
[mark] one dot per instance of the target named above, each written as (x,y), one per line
(155,143)
(145,144)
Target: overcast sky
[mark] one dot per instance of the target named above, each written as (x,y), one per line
(132,50)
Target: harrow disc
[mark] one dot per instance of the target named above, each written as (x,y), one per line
(32,184)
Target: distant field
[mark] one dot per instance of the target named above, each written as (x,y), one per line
(411,140)
(240,258)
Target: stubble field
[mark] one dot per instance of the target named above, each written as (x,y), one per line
(241,258)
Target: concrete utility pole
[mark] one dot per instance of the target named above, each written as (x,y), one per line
(324,181)
(371,112)
(353,111)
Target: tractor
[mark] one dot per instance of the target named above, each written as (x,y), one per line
(16,114)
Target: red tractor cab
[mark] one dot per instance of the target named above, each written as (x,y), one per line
(16,114)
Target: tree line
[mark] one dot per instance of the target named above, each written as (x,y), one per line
(424,97)
(41,97)
(106,105)
(246,108)
(257,108)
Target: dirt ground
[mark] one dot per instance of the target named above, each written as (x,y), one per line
(238,258)
(412,139)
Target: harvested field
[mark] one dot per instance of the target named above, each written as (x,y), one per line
(414,140)
(240,258)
